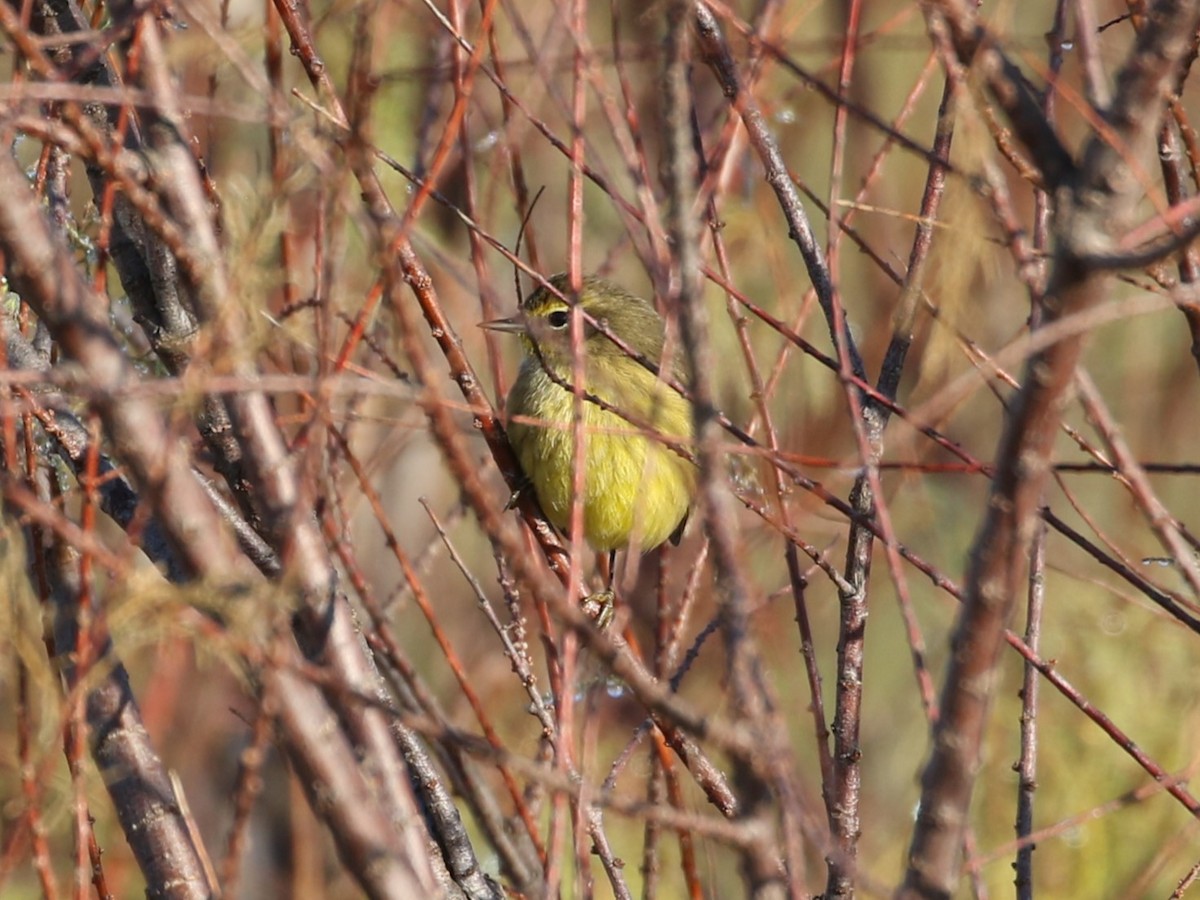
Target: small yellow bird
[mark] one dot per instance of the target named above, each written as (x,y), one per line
(636,488)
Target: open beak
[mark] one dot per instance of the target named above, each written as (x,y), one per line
(513,325)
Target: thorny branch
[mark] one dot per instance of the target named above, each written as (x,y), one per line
(1097,201)
(258,402)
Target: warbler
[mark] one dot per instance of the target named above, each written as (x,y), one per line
(636,488)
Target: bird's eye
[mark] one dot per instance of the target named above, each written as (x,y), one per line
(559,318)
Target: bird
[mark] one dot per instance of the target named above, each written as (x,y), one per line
(637,488)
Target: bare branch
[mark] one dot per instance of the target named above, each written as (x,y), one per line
(1096,203)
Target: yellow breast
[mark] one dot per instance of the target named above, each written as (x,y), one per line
(636,489)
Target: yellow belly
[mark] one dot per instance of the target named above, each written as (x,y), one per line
(635,488)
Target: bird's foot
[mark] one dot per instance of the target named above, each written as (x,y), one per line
(599,607)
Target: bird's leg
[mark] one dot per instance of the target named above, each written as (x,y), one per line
(523,484)
(599,606)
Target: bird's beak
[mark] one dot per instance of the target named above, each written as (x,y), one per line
(513,324)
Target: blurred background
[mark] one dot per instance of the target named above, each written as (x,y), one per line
(299,246)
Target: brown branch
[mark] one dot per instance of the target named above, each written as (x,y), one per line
(1026,766)
(326,629)
(1095,205)
(130,768)
(44,274)
(977,48)
(751,691)
(714,50)
(147,250)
